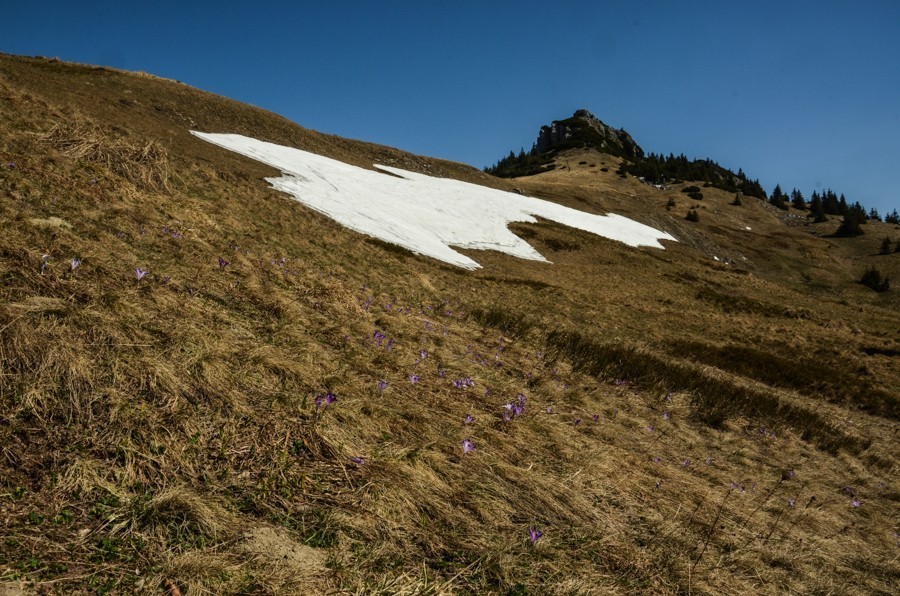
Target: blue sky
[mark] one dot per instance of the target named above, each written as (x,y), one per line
(802,93)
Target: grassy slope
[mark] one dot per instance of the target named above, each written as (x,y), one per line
(165,430)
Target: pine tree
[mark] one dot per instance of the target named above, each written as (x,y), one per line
(886,246)
(873,214)
(737,199)
(817,209)
(892,218)
(873,279)
(777,198)
(797,200)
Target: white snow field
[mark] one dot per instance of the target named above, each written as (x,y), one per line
(424,214)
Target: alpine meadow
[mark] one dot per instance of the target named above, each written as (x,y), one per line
(241,356)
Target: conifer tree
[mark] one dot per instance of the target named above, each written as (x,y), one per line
(817,209)
(777,198)
(797,200)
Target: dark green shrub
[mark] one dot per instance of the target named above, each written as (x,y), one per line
(873,279)
(692,215)
(697,196)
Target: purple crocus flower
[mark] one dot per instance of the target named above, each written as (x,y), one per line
(223,263)
(549,409)
(856,503)
(441,373)
(686,462)
(468,446)
(358,460)
(75,263)
(423,354)
(518,410)
(413,379)
(534,534)
(389,345)
(650,428)
(596,417)
(382,385)
(792,502)
(577,421)
(666,416)
(327,399)
(506,416)
(140,273)
(520,399)
(469,419)
(378,337)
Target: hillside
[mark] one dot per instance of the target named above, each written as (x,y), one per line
(208,387)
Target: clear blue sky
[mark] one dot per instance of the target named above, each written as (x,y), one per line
(802,93)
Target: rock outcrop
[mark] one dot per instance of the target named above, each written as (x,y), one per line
(583,129)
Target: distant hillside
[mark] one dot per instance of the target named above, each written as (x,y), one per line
(584,130)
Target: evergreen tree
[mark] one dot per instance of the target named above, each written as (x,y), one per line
(692,215)
(777,198)
(843,208)
(886,246)
(830,203)
(850,225)
(892,218)
(872,278)
(737,199)
(873,214)
(817,209)
(797,200)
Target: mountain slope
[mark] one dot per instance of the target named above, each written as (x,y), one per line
(678,414)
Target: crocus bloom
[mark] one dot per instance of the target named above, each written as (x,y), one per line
(468,446)
(469,419)
(413,379)
(358,460)
(577,421)
(140,273)
(856,502)
(596,417)
(534,534)
(792,502)
(549,409)
(382,385)
(75,264)
(666,416)
(223,263)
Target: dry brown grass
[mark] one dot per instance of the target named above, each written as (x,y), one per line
(144,165)
(165,430)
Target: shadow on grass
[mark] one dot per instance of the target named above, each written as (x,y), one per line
(714,400)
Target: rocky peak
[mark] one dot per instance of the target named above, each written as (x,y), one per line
(583,129)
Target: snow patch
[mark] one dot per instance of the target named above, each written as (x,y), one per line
(424,214)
